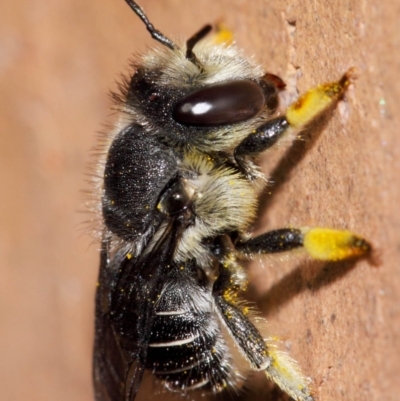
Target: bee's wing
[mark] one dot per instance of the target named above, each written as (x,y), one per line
(126,293)
(109,362)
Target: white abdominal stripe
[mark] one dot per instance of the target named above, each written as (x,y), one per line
(171,313)
(174,386)
(186,350)
(175,343)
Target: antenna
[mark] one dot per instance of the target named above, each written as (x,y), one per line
(193,41)
(155,34)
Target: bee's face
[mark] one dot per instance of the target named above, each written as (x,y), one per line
(195,102)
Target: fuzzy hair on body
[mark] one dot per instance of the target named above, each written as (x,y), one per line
(223,203)
(220,206)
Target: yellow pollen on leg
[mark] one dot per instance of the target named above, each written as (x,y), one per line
(318,99)
(328,244)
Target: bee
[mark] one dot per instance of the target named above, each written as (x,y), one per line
(178,195)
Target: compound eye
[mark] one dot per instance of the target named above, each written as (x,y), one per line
(220,104)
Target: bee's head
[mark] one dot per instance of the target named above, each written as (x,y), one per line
(198,96)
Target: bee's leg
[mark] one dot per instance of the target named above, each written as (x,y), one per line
(278,366)
(298,115)
(320,243)
(223,35)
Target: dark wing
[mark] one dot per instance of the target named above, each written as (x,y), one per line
(125,298)
(109,364)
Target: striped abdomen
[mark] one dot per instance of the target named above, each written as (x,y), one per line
(186,350)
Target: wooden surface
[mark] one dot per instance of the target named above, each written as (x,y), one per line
(57,62)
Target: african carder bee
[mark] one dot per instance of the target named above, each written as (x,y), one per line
(178,197)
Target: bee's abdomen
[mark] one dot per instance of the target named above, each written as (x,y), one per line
(186,350)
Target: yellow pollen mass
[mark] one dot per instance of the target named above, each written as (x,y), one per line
(316,100)
(223,35)
(329,244)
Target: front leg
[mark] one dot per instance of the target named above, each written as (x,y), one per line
(298,115)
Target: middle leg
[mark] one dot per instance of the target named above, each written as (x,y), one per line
(320,243)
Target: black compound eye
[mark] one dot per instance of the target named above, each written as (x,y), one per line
(221,104)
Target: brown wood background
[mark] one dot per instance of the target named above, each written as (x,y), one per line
(58,59)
